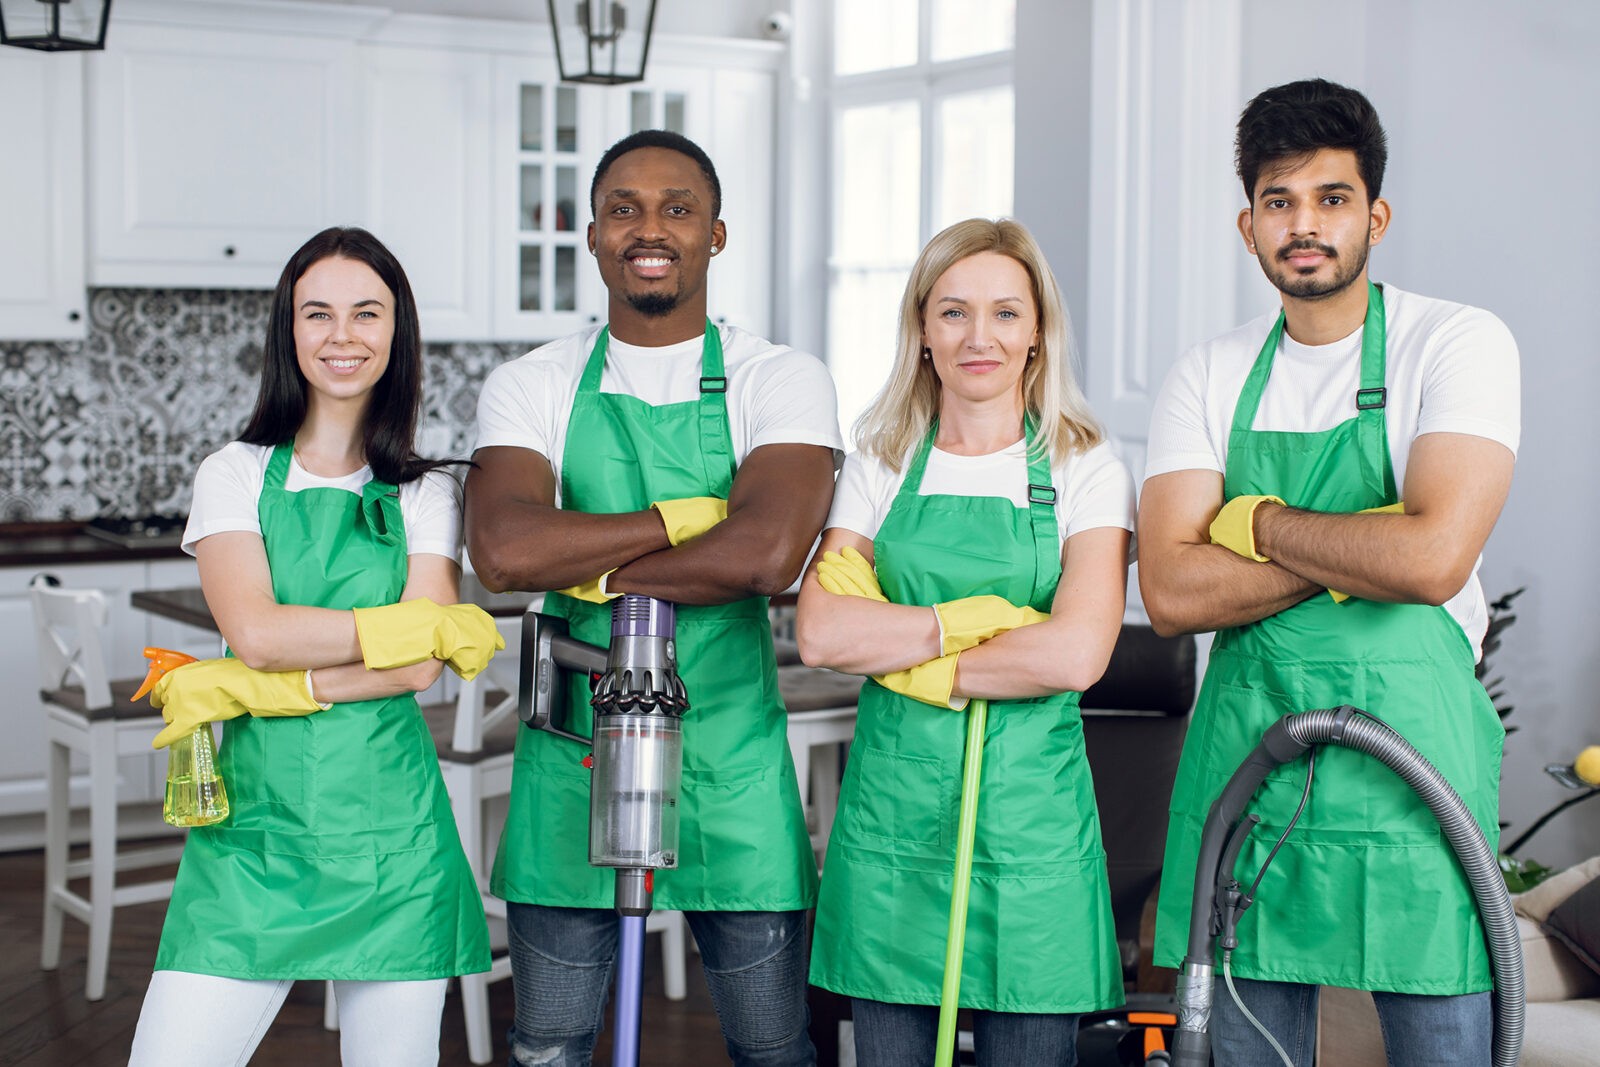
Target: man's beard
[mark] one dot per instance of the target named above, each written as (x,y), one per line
(653,305)
(1311,287)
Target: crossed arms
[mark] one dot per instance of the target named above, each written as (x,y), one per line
(1454,488)
(519,539)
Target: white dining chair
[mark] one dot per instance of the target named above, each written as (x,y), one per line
(822,721)
(87,712)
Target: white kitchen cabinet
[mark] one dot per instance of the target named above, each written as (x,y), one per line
(427,124)
(222,136)
(214,152)
(547,139)
(728,111)
(42,291)
(141,779)
(742,133)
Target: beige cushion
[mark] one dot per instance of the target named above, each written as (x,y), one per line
(1552,972)
(1561,1035)
(1538,902)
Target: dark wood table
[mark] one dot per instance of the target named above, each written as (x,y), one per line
(188,605)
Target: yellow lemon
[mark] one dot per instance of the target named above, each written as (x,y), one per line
(1587,765)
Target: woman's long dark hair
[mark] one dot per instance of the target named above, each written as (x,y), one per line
(389,428)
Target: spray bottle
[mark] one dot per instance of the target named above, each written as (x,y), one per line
(195,794)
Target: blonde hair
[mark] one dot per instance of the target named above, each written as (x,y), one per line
(901,413)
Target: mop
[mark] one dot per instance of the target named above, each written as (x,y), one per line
(961,884)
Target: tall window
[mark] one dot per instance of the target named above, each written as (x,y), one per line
(922,137)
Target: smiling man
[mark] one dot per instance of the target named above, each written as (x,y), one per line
(1319,486)
(662,456)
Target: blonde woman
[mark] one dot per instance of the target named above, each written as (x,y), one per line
(977,548)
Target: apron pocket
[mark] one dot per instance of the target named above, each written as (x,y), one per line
(899,799)
(263,760)
(1239,717)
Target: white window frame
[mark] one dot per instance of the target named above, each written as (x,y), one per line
(925,82)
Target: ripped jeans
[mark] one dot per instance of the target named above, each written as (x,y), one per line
(562,960)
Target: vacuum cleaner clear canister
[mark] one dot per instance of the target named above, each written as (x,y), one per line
(633,806)
(638,740)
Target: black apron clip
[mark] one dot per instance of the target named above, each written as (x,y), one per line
(1370,399)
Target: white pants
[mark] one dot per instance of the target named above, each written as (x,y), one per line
(201,1020)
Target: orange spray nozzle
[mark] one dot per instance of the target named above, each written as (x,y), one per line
(161,660)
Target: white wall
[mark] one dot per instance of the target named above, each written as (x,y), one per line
(1490,113)
(1493,158)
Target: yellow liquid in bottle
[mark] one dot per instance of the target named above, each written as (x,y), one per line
(195,793)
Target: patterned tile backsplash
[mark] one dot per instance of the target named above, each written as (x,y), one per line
(116,424)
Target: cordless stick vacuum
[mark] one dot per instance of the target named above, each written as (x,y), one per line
(1219,900)
(637,762)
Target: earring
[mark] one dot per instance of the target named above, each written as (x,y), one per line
(1032,351)
(927,353)
(715,249)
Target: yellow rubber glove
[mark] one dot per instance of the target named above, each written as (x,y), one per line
(213,690)
(594,590)
(464,636)
(968,622)
(691,516)
(928,682)
(848,573)
(1234,528)
(1397,508)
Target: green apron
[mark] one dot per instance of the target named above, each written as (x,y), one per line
(1366,893)
(742,844)
(1040,936)
(340,858)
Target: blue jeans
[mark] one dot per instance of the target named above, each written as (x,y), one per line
(562,961)
(1418,1031)
(906,1035)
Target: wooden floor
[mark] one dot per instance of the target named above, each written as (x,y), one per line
(46,1022)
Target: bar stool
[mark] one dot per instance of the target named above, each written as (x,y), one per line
(822,718)
(88,713)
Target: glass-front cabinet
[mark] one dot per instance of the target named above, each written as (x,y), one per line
(548,139)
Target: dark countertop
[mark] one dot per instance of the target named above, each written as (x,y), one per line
(37,544)
(188,605)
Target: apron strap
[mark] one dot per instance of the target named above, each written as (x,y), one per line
(1372,397)
(912,482)
(278,466)
(1370,400)
(380,509)
(716,439)
(1255,383)
(1041,500)
(1042,511)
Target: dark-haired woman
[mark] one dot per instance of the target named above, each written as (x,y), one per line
(326,548)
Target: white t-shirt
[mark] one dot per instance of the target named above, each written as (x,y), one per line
(1093,488)
(1449,368)
(227,491)
(776,394)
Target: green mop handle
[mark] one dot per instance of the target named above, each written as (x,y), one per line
(956,938)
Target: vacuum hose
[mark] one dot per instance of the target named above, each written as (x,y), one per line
(1218,901)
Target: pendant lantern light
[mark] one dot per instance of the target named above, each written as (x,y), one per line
(602,42)
(55,25)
